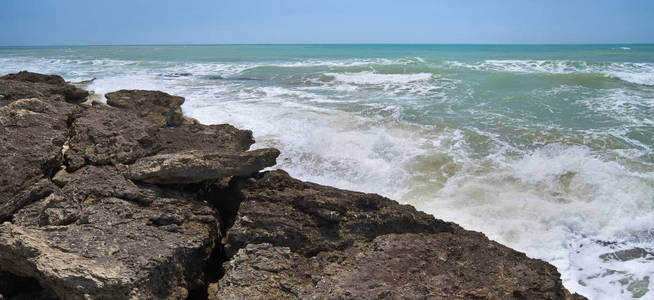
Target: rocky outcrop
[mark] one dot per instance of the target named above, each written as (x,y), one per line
(318,218)
(132,201)
(32,85)
(296,240)
(159,107)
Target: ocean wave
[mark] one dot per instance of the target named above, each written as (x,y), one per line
(638,73)
(371,78)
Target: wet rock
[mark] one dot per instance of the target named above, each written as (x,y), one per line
(159,107)
(103,237)
(32,85)
(108,136)
(626,255)
(32,133)
(197,166)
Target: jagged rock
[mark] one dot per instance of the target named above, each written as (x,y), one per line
(296,240)
(32,133)
(103,237)
(197,166)
(32,85)
(159,107)
(310,218)
(104,135)
(217,138)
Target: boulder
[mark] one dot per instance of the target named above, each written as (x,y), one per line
(197,166)
(101,236)
(159,107)
(32,85)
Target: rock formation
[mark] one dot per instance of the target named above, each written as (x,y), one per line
(130,200)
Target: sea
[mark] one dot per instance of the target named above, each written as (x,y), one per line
(548,149)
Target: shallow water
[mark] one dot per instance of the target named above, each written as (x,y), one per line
(547,149)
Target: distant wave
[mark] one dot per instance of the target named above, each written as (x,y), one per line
(375,78)
(639,73)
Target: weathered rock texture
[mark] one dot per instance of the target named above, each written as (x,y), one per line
(292,239)
(157,106)
(132,201)
(32,85)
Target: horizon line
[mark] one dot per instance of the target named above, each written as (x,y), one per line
(312,43)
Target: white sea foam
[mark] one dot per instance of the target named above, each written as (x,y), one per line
(639,73)
(553,204)
(380,79)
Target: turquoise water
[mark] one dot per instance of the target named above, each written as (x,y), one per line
(548,149)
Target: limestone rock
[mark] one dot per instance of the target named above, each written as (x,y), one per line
(159,107)
(197,166)
(103,237)
(297,240)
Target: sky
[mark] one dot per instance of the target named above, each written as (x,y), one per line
(127,22)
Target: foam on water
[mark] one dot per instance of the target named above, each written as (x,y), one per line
(639,73)
(375,78)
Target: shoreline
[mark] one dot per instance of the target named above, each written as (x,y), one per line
(139,175)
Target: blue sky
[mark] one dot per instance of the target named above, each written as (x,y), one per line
(84,22)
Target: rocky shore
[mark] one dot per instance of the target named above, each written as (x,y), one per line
(131,200)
